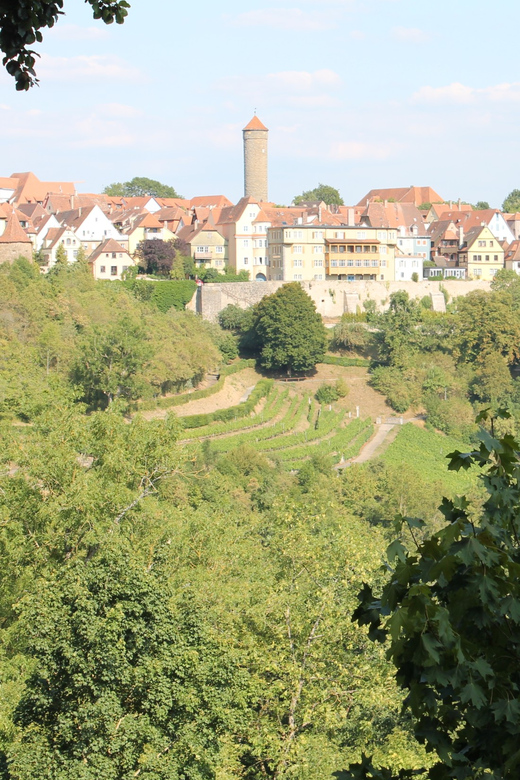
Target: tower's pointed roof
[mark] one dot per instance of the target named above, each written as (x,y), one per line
(255,124)
(14,232)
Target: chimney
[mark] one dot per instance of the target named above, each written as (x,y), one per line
(461,236)
(80,211)
(319,213)
(385,203)
(351,219)
(459,204)
(72,201)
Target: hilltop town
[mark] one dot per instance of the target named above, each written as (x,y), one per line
(398,234)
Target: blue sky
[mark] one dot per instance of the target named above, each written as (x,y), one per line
(355,93)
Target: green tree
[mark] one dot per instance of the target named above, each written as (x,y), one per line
(290,332)
(512,203)
(481,205)
(110,363)
(139,186)
(21,25)
(351,336)
(323,192)
(123,686)
(451,610)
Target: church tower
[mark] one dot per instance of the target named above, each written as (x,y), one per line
(255,159)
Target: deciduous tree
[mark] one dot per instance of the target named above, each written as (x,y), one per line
(323,192)
(290,332)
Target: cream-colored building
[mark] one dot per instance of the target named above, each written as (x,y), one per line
(110,260)
(481,254)
(318,252)
(208,246)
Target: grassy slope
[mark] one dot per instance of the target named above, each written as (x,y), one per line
(426,451)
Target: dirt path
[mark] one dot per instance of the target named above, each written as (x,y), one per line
(235,388)
(367,451)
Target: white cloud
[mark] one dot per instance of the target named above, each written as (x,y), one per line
(314,101)
(87,68)
(460,94)
(284,83)
(358,35)
(73,32)
(409,34)
(119,110)
(284,19)
(359,150)
(4,107)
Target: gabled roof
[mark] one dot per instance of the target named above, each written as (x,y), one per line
(443,229)
(146,220)
(31,190)
(471,219)
(393,215)
(75,217)
(210,201)
(513,251)
(255,124)
(110,245)
(471,236)
(416,195)
(14,232)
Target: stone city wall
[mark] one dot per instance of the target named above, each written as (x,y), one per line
(332,299)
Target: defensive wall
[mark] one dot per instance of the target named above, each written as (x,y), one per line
(332,299)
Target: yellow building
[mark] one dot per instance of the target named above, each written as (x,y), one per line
(208,246)
(481,254)
(318,252)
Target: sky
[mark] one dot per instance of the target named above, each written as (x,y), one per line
(357,94)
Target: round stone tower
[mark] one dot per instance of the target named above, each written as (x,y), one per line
(255,159)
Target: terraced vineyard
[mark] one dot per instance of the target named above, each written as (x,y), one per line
(288,427)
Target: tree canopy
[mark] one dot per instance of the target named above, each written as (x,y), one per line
(289,330)
(139,186)
(323,192)
(451,610)
(21,24)
(512,203)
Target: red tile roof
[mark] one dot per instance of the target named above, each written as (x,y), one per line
(14,232)
(255,124)
(110,245)
(417,195)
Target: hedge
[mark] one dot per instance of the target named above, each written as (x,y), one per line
(330,360)
(165,294)
(262,390)
(271,409)
(185,398)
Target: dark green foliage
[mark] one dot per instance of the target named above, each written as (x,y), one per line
(391,382)
(235,318)
(481,205)
(21,24)
(290,332)
(174,294)
(323,192)
(332,360)
(327,393)
(451,609)
(512,202)
(139,186)
(352,336)
(119,678)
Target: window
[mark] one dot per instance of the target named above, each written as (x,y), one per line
(495,258)
(102,269)
(318,250)
(359,249)
(113,254)
(245,242)
(339,234)
(478,271)
(350,248)
(297,277)
(373,249)
(298,234)
(366,249)
(219,250)
(297,262)
(490,243)
(318,263)
(366,262)
(287,234)
(318,234)
(358,262)
(75,253)
(246,260)
(124,269)
(383,263)
(318,277)
(361,234)
(113,270)
(342,249)
(245,229)
(297,249)
(383,250)
(375,263)
(350,261)
(487,258)
(342,262)
(334,263)
(202,249)
(381,235)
